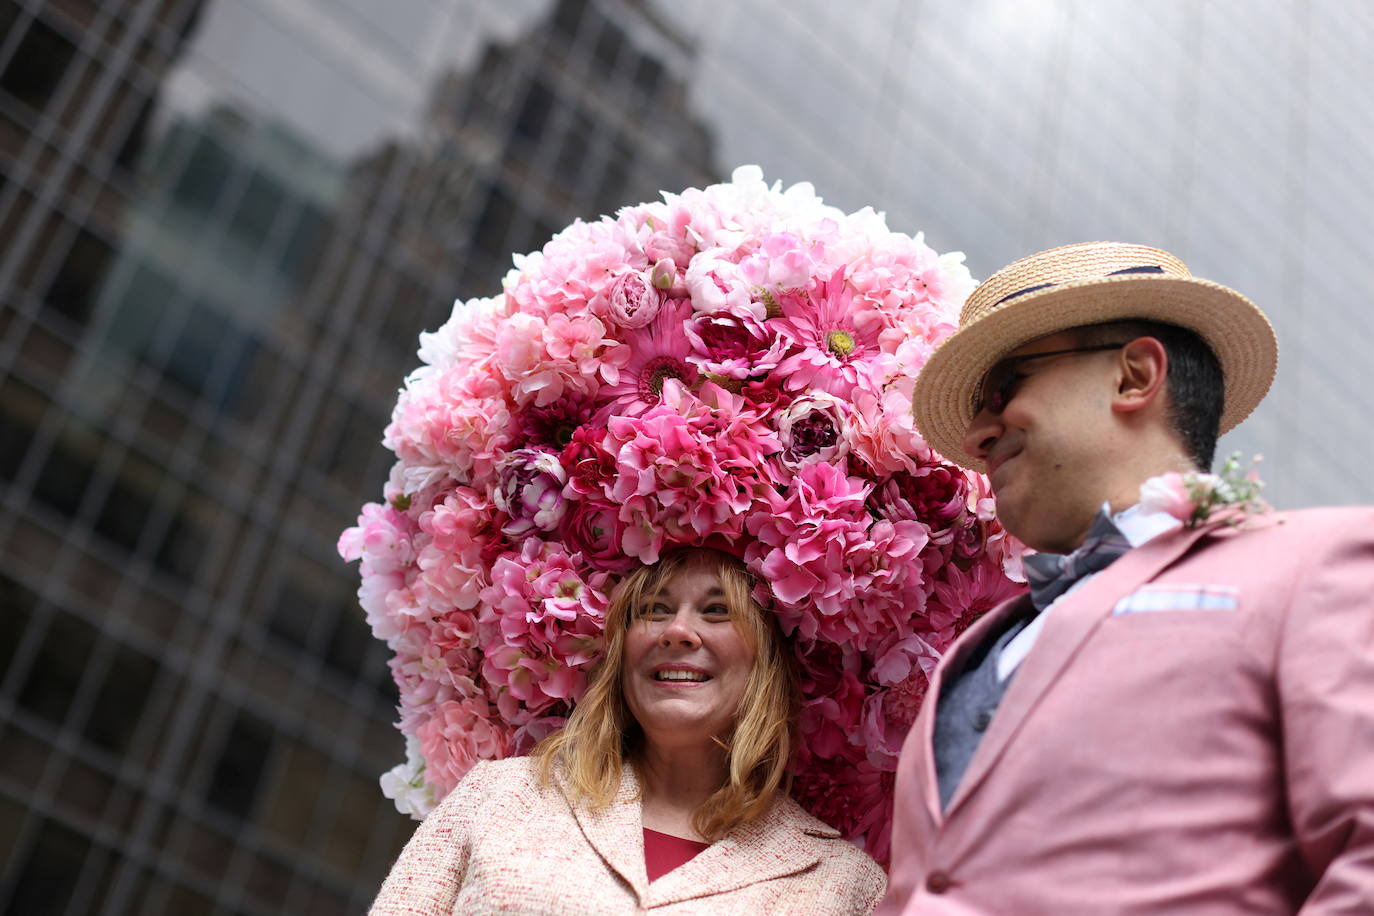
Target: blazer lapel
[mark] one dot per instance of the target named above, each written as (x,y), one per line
(1072,622)
(952,663)
(617,832)
(780,843)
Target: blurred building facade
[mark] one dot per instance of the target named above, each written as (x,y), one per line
(224,222)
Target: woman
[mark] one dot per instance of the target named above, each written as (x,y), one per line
(666,791)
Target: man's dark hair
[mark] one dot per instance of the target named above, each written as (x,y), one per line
(1196,387)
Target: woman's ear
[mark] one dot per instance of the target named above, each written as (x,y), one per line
(1143,367)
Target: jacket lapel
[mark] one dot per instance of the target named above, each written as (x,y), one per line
(777,844)
(952,663)
(617,832)
(1073,621)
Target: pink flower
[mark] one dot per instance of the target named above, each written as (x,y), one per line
(733,344)
(852,795)
(959,597)
(381,539)
(813,428)
(687,469)
(590,465)
(658,352)
(530,490)
(593,528)
(457,735)
(1167,493)
(552,426)
(633,300)
(453,565)
(451,424)
(902,669)
(838,343)
(581,343)
(832,712)
(541,625)
(783,261)
(936,494)
(838,575)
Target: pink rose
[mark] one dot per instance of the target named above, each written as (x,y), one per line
(633,300)
(1167,493)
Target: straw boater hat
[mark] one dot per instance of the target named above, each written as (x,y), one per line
(1080,285)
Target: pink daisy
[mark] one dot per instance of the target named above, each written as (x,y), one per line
(657,352)
(837,344)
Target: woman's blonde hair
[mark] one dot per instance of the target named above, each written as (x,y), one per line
(601,734)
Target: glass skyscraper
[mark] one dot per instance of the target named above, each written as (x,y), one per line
(224,222)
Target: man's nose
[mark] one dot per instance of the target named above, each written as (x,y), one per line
(982,434)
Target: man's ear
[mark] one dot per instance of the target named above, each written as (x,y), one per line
(1142,367)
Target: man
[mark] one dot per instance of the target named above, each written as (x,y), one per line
(1189,726)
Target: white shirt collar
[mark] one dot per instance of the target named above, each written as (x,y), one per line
(1140,525)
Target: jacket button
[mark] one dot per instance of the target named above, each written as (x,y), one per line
(937,882)
(982,720)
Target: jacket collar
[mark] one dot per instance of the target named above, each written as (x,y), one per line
(1066,630)
(784,841)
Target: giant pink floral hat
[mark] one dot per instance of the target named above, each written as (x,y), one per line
(733,367)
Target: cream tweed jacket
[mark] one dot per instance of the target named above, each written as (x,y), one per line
(503,843)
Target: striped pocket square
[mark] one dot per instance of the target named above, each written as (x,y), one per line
(1178,597)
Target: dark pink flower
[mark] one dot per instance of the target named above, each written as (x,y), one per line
(529,489)
(687,469)
(851,795)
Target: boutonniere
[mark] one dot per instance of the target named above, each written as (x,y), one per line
(1232,495)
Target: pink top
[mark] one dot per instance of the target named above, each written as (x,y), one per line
(664,852)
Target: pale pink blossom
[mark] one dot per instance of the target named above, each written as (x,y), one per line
(633,299)
(457,735)
(1167,493)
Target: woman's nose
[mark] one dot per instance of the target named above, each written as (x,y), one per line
(678,631)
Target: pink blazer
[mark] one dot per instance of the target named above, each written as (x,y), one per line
(503,843)
(1192,733)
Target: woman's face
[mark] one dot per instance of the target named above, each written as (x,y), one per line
(686,662)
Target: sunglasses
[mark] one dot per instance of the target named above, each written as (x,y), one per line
(996,389)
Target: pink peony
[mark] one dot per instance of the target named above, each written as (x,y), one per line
(812,428)
(529,489)
(733,344)
(593,528)
(633,299)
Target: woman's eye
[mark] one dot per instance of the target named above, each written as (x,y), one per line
(656,612)
(717,610)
